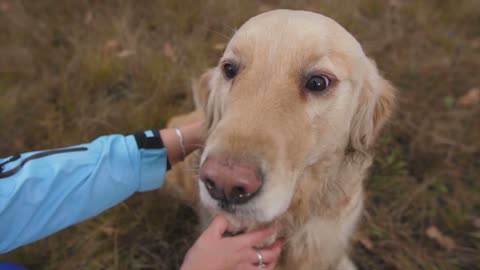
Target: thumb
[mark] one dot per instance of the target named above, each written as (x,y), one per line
(218,226)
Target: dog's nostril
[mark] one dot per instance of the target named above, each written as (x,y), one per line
(209,184)
(239,192)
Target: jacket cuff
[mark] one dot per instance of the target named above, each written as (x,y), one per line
(153,160)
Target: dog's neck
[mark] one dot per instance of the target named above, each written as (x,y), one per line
(324,213)
(328,185)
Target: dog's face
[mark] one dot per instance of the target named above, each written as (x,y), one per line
(292,89)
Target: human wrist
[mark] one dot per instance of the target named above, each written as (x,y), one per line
(192,139)
(181,143)
(193,136)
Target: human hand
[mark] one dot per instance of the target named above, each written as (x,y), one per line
(212,251)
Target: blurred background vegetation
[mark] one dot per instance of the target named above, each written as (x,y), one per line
(74,70)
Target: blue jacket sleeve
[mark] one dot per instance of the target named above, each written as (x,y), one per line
(43,192)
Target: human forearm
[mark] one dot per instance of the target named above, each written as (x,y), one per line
(39,196)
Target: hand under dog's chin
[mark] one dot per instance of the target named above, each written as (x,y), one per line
(257,214)
(240,223)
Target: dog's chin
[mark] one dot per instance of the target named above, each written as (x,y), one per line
(238,225)
(243,218)
(242,221)
(259,213)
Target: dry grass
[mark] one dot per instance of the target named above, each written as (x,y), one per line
(74,70)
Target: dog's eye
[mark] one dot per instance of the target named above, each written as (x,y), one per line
(317,83)
(230,70)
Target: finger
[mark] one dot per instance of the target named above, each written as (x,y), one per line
(274,263)
(279,242)
(268,255)
(247,266)
(271,265)
(218,226)
(253,238)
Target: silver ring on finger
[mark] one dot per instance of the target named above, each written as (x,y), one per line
(261,265)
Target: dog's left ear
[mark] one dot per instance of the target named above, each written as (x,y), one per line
(375,106)
(205,100)
(201,90)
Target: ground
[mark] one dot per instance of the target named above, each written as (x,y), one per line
(74,70)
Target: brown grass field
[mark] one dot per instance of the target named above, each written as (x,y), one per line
(74,70)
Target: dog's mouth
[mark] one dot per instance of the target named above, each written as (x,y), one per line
(261,211)
(234,232)
(234,229)
(242,218)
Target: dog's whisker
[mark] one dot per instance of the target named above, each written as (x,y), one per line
(235,23)
(231,28)
(330,187)
(220,34)
(341,189)
(324,187)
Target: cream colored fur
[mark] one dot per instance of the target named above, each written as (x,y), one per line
(314,148)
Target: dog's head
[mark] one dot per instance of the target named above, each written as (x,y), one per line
(292,89)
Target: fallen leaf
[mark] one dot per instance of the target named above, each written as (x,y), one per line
(449,101)
(111,45)
(125,53)
(169,51)
(5,6)
(88,17)
(264,8)
(475,43)
(435,234)
(18,144)
(396,3)
(366,242)
(108,230)
(219,46)
(472,97)
(476,222)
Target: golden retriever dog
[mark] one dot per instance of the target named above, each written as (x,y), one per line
(291,113)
